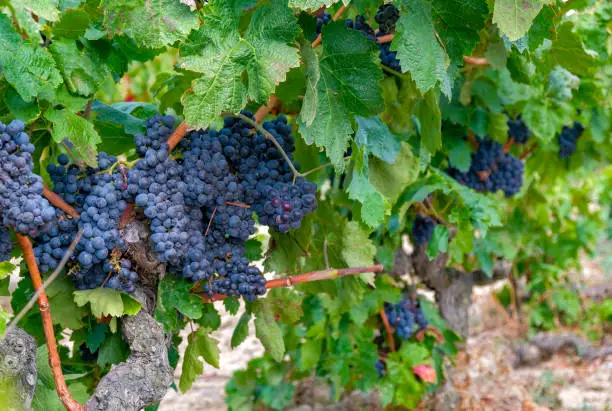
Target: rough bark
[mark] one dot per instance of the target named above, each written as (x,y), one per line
(18,372)
(453,288)
(543,346)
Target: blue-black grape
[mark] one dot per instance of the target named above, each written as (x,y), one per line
(404,315)
(518,130)
(492,170)
(386,17)
(23,207)
(380,367)
(6,245)
(568,139)
(422,229)
(323,18)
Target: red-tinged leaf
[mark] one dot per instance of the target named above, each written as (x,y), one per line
(425,372)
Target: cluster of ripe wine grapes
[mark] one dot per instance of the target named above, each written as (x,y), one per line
(422,229)
(200,203)
(406,317)
(492,170)
(568,139)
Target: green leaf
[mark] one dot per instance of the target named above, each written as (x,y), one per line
(104,302)
(47,9)
(514,17)
(498,127)
(312,5)
(357,249)
(285,303)
(152,23)
(78,131)
(20,109)
(72,25)
(418,50)
(374,204)
(232,305)
(391,179)
(65,312)
(376,138)
(27,67)
(83,71)
(96,336)
(269,333)
(313,75)
(241,332)
(175,293)
(6,269)
(210,317)
(438,243)
(428,112)
(113,351)
(120,113)
(348,85)
(237,68)
(5,316)
(309,354)
(568,51)
(253,249)
(200,345)
(460,155)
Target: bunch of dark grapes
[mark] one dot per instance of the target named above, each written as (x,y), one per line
(387,56)
(518,130)
(422,229)
(6,245)
(159,129)
(404,315)
(323,18)
(492,170)
(386,17)
(125,278)
(22,206)
(568,139)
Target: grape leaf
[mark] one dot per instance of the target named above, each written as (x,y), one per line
(514,17)
(83,71)
(438,243)
(427,111)
(568,51)
(47,9)
(26,111)
(376,138)
(418,49)
(269,333)
(374,204)
(95,336)
(200,345)
(174,293)
(238,68)
(241,332)
(113,351)
(5,316)
(78,131)
(65,312)
(391,179)
(313,75)
(104,302)
(6,269)
(72,25)
(313,5)
(26,66)
(152,23)
(348,85)
(232,304)
(358,250)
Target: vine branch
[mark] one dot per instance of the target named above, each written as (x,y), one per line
(59,202)
(389,330)
(312,276)
(43,303)
(177,136)
(263,111)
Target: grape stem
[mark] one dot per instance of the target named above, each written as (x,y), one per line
(46,284)
(177,136)
(59,202)
(389,329)
(270,137)
(263,111)
(289,281)
(43,303)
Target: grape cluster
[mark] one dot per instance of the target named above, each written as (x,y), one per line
(6,245)
(518,130)
(380,367)
(492,170)
(404,315)
(387,56)
(422,229)
(323,18)
(99,195)
(568,139)
(22,206)
(386,17)
(159,129)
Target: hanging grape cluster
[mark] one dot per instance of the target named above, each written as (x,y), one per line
(492,170)
(406,317)
(568,139)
